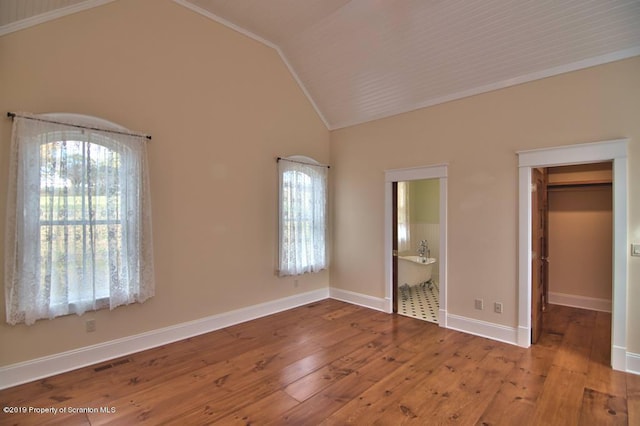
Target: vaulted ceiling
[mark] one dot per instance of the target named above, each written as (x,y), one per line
(359,60)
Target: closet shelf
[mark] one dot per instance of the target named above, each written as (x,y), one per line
(568,184)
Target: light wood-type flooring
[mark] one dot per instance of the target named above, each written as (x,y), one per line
(332,363)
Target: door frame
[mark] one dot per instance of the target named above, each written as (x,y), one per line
(539,206)
(612,150)
(437,171)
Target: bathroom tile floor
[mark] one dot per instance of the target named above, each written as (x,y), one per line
(419,301)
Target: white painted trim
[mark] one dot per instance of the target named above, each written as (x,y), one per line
(204,12)
(435,171)
(50,16)
(620,262)
(360,299)
(485,329)
(573,154)
(538,75)
(615,150)
(524,337)
(633,363)
(295,76)
(28,371)
(463,324)
(583,302)
(262,40)
(524,265)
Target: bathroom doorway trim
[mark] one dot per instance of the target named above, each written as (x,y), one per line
(612,150)
(437,171)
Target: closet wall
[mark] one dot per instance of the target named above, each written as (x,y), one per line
(580,235)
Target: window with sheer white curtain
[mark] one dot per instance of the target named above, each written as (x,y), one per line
(403,217)
(78,231)
(303,216)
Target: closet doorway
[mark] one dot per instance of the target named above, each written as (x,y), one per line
(615,151)
(580,212)
(572,222)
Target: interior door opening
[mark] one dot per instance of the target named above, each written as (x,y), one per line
(614,151)
(416,249)
(572,240)
(424,239)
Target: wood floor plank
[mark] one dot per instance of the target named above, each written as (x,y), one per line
(604,379)
(633,399)
(515,400)
(261,412)
(439,396)
(333,363)
(560,402)
(369,406)
(602,409)
(316,408)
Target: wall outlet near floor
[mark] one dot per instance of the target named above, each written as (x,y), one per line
(635,249)
(497,307)
(479,304)
(90,325)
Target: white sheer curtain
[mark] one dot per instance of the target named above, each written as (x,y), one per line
(404,237)
(303,217)
(78,231)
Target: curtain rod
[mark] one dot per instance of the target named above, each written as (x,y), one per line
(302,162)
(141,135)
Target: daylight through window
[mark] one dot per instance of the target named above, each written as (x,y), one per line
(84,240)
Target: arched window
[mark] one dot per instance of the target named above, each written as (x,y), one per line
(79,218)
(303,217)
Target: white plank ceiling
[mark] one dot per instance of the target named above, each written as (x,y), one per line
(359,60)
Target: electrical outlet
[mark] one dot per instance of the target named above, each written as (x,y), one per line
(479,304)
(90,325)
(635,249)
(295,283)
(497,307)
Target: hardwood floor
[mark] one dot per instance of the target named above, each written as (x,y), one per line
(332,363)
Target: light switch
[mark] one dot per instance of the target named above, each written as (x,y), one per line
(635,249)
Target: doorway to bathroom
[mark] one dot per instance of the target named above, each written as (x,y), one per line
(416,242)
(418,248)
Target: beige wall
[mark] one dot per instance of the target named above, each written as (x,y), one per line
(478,137)
(580,241)
(220,106)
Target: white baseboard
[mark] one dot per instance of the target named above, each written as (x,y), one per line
(633,363)
(618,358)
(455,322)
(524,337)
(377,303)
(584,302)
(28,371)
(489,330)
(16,374)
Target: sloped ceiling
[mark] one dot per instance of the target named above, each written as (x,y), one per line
(359,60)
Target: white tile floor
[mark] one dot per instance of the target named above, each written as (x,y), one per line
(419,301)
